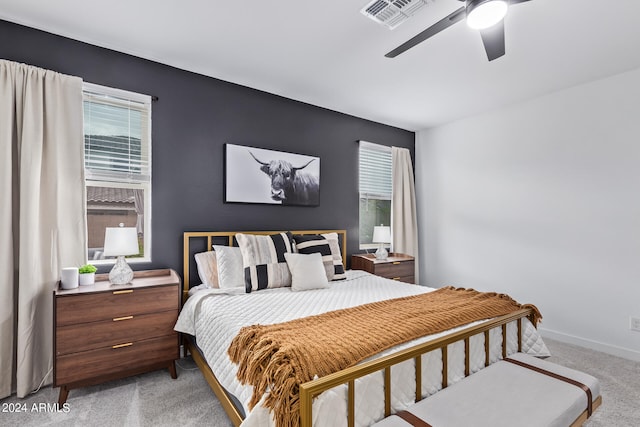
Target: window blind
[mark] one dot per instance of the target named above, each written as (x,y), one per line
(375,171)
(117,138)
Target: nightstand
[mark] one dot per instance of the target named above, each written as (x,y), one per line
(104,332)
(397,266)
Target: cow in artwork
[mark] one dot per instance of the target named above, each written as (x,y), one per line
(289,185)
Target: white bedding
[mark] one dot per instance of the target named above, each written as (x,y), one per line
(215,316)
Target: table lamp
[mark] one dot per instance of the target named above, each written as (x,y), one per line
(382,235)
(118,242)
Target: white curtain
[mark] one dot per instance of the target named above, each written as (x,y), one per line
(404,221)
(42,220)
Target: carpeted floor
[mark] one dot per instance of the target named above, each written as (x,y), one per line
(151,399)
(619,383)
(154,399)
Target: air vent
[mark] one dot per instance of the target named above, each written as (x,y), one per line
(392,13)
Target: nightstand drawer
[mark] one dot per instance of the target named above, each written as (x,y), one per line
(96,306)
(397,266)
(392,270)
(88,336)
(95,363)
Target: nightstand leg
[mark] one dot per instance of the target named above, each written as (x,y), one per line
(172,369)
(64,393)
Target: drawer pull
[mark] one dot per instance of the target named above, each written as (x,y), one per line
(396,278)
(117,319)
(122,345)
(128,291)
(395,262)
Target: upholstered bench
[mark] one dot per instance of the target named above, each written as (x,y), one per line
(518,391)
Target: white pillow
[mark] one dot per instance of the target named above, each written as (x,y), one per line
(307,271)
(230,271)
(207,268)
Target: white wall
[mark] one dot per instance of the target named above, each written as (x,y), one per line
(542,200)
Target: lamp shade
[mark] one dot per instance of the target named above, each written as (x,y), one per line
(381,234)
(121,241)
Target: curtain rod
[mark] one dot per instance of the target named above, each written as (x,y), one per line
(115,92)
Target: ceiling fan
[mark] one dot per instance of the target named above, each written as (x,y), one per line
(487,16)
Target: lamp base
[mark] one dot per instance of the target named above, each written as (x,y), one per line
(381,253)
(121,273)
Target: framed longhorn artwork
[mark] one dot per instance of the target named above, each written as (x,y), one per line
(257,175)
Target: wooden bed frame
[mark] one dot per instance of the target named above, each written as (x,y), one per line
(347,376)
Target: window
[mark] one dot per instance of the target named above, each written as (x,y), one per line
(375,190)
(117,159)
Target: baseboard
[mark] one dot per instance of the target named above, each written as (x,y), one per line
(593,345)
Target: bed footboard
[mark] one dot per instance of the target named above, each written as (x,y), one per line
(311,389)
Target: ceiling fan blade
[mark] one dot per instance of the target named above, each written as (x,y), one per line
(517,1)
(431,31)
(493,40)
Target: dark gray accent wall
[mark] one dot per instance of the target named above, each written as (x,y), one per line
(193,119)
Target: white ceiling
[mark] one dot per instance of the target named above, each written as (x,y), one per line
(326,53)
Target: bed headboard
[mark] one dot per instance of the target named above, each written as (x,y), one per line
(227,238)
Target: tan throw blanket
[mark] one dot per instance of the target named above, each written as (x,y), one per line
(278,358)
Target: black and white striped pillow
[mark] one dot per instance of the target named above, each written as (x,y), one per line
(263,260)
(338,265)
(314,243)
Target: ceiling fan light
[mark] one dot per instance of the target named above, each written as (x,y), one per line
(483,14)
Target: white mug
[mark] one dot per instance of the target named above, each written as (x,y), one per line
(69,277)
